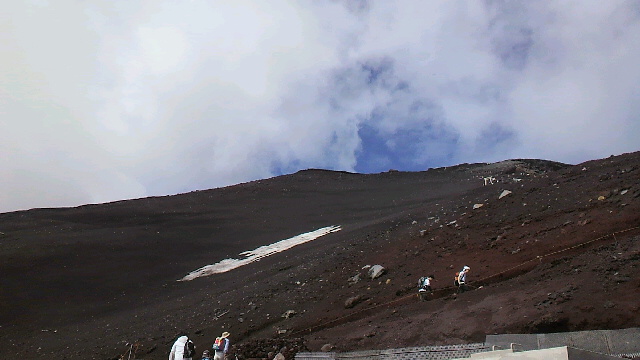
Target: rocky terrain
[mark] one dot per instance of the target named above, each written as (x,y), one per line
(552,247)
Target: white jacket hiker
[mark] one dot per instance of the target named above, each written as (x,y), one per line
(177,350)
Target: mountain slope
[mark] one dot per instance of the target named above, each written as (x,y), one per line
(88,280)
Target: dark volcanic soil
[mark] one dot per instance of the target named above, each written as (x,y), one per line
(561,252)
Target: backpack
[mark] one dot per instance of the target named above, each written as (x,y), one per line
(455,279)
(218,345)
(189,349)
(421,281)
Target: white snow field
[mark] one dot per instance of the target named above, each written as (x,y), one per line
(259,253)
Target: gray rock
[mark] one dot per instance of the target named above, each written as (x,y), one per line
(279,356)
(504,193)
(376,271)
(354,279)
(326,348)
(353,301)
(288,314)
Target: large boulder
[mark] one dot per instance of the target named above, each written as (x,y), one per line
(376,271)
(353,301)
(504,193)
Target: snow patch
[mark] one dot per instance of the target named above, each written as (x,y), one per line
(259,253)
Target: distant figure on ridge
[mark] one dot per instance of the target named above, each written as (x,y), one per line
(424,287)
(489,180)
(221,346)
(182,349)
(462,279)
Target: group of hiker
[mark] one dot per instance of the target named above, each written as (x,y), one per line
(460,281)
(184,349)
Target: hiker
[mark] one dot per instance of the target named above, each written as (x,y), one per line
(462,279)
(182,349)
(424,287)
(221,346)
(206,355)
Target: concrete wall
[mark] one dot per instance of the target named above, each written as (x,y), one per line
(579,354)
(557,353)
(612,342)
(545,354)
(447,352)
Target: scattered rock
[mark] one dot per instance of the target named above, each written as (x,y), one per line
(622,279)
(504,193)
(289,313)
(326,348)
(609,305)
(279,356)
(477,206)
(376,271)
(601,198)
(354,279)
(353,301)
(423,233)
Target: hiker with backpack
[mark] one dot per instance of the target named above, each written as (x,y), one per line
(424,287)
(461,280)
(221,346)
(182,349)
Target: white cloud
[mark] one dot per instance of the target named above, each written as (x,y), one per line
(109,100)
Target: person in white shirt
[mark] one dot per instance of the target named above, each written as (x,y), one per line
(462,280)
(424,287)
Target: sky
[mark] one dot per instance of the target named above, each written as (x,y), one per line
(105,100)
